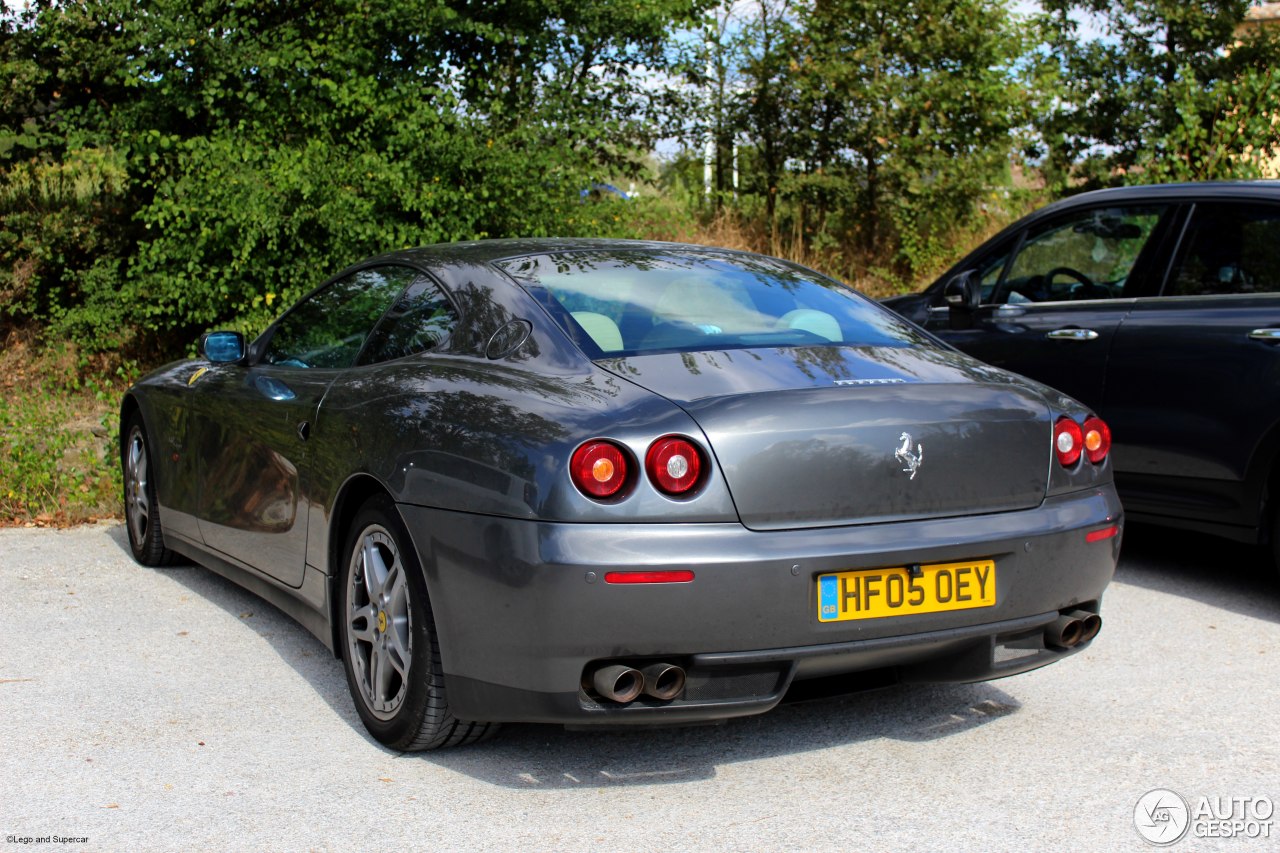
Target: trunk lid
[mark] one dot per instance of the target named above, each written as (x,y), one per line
(824,436)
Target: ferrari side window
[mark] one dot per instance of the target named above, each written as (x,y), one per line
(420,320)
(1085,255)
(1229,249)
(329,328)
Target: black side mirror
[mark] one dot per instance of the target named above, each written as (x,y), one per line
(963,297)
(222,347)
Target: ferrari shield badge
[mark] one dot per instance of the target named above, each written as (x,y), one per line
(910,454)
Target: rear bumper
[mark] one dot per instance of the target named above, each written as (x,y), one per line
(522,609)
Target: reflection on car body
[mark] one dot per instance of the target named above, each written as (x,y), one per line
(595,482)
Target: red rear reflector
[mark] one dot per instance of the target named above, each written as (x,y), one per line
(1104,533)
(679,576)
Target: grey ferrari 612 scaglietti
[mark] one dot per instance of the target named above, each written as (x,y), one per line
(618,482)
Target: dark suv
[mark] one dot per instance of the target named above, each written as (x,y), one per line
(1158,307)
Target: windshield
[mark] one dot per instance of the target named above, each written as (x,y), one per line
(631,301)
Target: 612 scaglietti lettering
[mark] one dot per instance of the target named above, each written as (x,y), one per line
(611,482)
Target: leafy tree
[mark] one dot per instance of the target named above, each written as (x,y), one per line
(895,116)
(228,155)
(711,58)
(770,92)
(1168,90)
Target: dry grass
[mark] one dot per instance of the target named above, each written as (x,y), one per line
(730,229)
(727,230)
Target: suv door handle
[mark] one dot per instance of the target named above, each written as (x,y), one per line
(1271,336)
(1073,335)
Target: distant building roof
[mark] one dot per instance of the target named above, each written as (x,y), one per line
(1264,14)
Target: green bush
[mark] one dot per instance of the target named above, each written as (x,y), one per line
(60,462)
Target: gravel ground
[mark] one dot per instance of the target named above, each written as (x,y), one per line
(168,710)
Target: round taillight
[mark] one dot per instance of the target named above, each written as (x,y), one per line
(1097,439)
(1068,441)
(674,465)
(599,468)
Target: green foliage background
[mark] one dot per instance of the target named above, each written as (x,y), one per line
(172,165)
(1163,90)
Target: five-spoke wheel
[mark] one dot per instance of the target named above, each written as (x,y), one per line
(389,645)
(142,514)
(379,624)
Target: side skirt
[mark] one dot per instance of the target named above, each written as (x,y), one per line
(308,605)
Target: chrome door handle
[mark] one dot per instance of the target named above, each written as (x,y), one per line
(1072,335)
(1268,335)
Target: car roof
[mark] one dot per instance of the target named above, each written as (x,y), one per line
(1190,191)
(489,251)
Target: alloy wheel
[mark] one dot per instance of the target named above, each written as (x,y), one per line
(137,508)
(379,626)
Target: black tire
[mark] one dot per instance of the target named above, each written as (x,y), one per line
(141,509)
(388,638)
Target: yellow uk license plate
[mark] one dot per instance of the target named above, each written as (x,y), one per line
(896,592)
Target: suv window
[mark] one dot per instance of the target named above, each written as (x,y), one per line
(329,328)
(421,319)
(1086,254)
(1228,248)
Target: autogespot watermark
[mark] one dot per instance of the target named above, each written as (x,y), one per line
(1165,817)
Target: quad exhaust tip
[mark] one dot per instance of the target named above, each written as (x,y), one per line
(622,684)
(618,683)
(663,681)
(1091,624)
(1071,629)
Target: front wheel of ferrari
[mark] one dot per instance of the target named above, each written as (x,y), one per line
(141,509)
(389,645)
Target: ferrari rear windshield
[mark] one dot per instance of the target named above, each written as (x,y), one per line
(628,301)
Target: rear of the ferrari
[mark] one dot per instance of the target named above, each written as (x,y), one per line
(740,614)
(812,519)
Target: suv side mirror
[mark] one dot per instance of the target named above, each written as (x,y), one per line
(222,347)
(963,297)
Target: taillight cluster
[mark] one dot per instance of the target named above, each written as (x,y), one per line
(600,469)
(1072,440)
(603,469)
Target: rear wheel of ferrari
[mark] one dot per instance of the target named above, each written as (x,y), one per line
(141,510)
(389,646)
